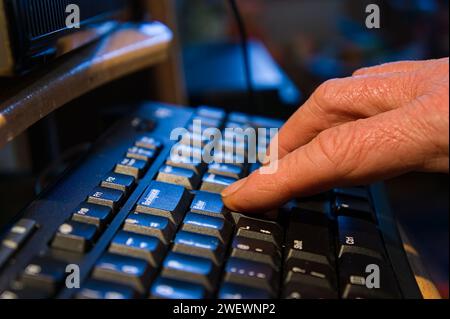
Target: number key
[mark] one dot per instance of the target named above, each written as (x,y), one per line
(132,167)
(141,154)
(149,143)
(357,236)
(120,182)
(107,197)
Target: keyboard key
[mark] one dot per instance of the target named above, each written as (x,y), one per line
(203,123)
(142,154)
(264,141)
(74,236)
(258,229)
(93,214)
(107,197)
(45,274)
(139,246)
(308,237)
(354,270)
(229,158)
(237,138)
(320,204)
(130,271)
(19,233)
(149,143)
(190,264)
(203,221)
(150,225)
(358,236)
(191,268)
(167,200)
(300,286)
(256,250)
(180,176)
(236,125)
(180,152)
(235,145)
(196,140)
(264,122)
(228,170)
(132,167)
(216,183)
(207,225)
(188,163)
(211,112)
(176,289)
(199,245)
(354,207)
(95,289)
(124,183)
(24,293)
(310,268)
(361,292)
(251,273)
(238,117)
(207,121)
(208,203)
(236,291)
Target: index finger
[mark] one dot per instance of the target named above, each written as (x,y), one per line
(339,101)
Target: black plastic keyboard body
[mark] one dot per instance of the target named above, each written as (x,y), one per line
(136,225)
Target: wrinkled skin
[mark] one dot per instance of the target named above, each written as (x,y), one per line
(379,123)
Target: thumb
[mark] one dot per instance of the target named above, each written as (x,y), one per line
(353,153)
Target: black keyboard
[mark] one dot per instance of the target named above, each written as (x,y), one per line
(130,222)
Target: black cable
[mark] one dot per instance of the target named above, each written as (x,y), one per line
(245,51)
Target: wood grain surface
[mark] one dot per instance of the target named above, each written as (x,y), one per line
(170,85)
(26,100)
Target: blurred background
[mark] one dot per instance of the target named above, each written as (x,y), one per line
(295,45)
(314,40)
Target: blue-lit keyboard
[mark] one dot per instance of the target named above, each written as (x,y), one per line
(135,223)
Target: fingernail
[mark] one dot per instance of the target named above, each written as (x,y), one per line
(233,188)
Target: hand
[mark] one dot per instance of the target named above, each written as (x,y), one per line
(381,122)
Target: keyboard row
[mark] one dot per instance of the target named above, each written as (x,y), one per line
(256,254)
(179,241)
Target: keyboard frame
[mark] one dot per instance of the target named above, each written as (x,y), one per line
(55,205)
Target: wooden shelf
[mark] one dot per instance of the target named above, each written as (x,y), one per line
(130,48)
(423,279)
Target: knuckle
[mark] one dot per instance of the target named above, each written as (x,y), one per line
(327,89)
(431,121)
(400,140)
(325,96)
(331,145)
(413,84)
(345,147)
